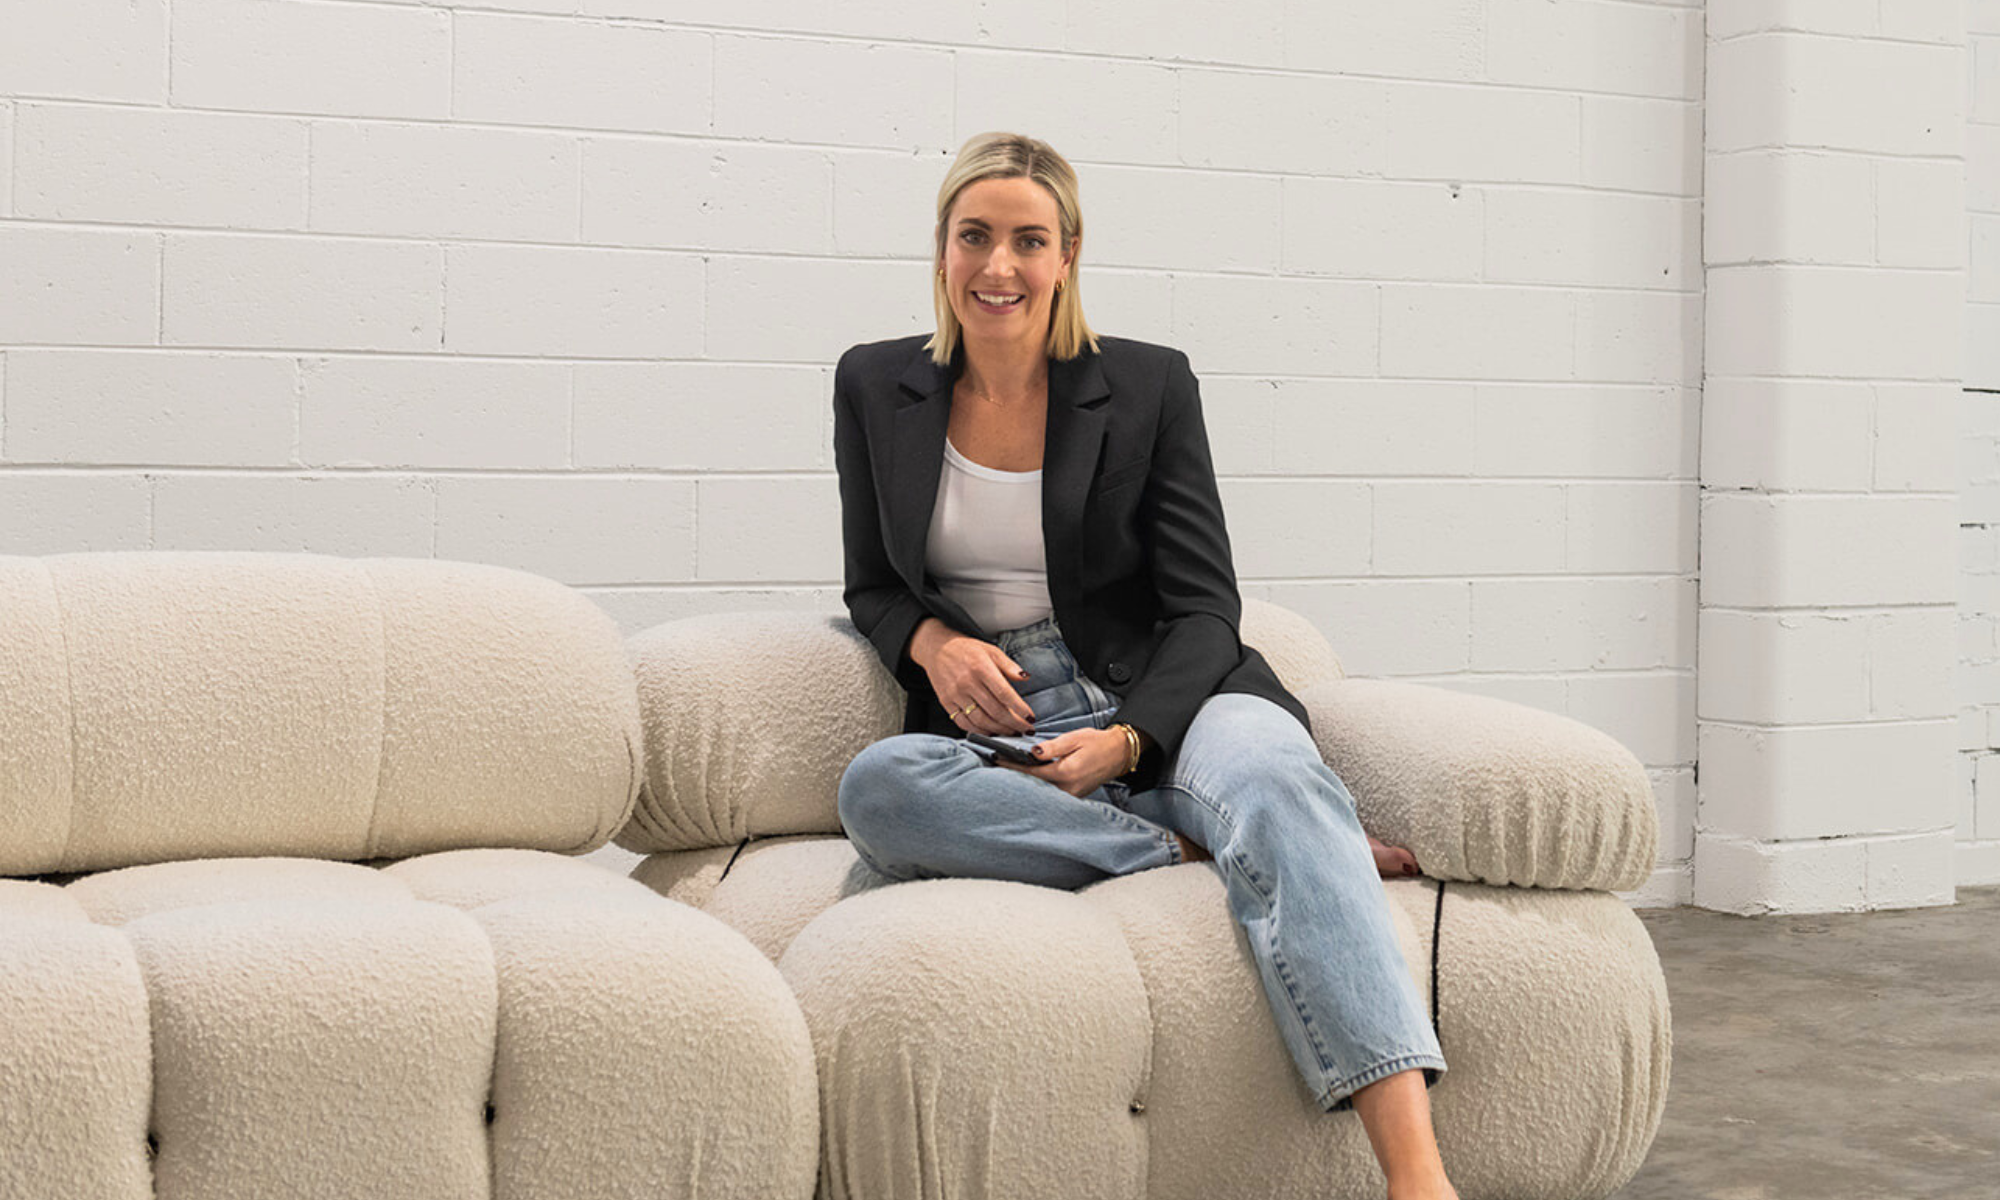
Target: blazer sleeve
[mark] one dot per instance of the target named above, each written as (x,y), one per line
(1185,542)
(878,601)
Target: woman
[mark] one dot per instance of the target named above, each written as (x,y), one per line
(1035,548)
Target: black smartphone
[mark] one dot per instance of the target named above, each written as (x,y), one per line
(1006,750)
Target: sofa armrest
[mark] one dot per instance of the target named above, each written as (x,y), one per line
(1486,790)
(749,720)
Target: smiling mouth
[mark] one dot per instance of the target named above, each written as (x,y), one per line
(997,299)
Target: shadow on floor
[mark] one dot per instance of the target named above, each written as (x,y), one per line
(1836,1057)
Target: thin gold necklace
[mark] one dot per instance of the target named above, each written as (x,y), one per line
(980,395)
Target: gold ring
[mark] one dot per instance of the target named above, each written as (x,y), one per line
(968,708)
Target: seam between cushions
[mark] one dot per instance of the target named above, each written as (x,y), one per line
(69,694)
(382,715)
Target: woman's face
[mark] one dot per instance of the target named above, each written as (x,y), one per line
(1002,259)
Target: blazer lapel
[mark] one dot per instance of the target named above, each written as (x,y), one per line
(1073,440)
(918,460)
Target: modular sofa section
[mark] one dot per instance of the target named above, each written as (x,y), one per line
(475,1023)
(163,707)
(983,1039)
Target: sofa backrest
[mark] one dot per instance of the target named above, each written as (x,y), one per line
(751,718)
(166,706)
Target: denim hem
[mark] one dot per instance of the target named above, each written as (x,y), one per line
(1163,836)
(1339,1096)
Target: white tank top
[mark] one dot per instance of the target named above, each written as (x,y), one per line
(985,546)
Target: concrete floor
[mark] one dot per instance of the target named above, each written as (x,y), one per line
(1839,1057)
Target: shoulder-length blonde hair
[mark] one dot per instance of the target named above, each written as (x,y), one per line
(1013,156)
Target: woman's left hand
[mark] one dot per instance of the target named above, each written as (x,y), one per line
(1080,761)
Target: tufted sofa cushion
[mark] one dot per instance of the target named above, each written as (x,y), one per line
(750,718)
(177,706)
(469,1024)
(1485,790)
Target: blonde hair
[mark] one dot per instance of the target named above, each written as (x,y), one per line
(1014,156)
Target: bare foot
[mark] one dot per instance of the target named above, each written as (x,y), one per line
(1393,862)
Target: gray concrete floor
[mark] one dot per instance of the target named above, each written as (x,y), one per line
(1839,1057)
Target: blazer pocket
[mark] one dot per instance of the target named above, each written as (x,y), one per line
(1123,474)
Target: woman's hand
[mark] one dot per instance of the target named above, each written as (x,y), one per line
(972,679)
(1080,761)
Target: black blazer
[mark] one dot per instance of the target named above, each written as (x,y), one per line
(1138,558)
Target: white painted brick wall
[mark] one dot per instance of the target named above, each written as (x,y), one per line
(149,407)
(239,290)
(278,56)
(557,284)
(1835,244)
(61,285)
(1978,829)
(142,166)
(438,413)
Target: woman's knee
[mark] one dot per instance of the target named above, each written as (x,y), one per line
(875,788)
(1248,732)
(1257,758)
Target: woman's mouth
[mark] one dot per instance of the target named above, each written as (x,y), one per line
(998,302)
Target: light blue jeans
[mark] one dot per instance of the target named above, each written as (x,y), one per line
(1247,783)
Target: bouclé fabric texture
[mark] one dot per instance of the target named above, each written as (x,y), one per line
(162,707)
(475,1023)
(1486,790)
(980,1039)
(200,997)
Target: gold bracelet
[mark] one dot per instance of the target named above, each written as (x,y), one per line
(1133,747)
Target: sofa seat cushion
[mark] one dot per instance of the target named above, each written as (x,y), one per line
(471,1023)
(980,1039)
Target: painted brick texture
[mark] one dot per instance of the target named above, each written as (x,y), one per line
(1835,352)
(1977,784)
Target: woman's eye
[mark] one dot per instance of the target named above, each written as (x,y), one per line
(1032,243)
(970,236)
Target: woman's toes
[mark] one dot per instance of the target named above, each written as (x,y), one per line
(1393,862)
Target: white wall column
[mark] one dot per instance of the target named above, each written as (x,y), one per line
(1834,242)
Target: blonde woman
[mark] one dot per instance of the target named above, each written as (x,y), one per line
(1035,548)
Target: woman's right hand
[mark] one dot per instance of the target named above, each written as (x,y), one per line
(973,679)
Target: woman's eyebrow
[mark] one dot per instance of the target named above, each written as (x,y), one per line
(1017,229)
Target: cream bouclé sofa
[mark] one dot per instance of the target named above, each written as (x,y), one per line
(979,1039)
(290,908)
